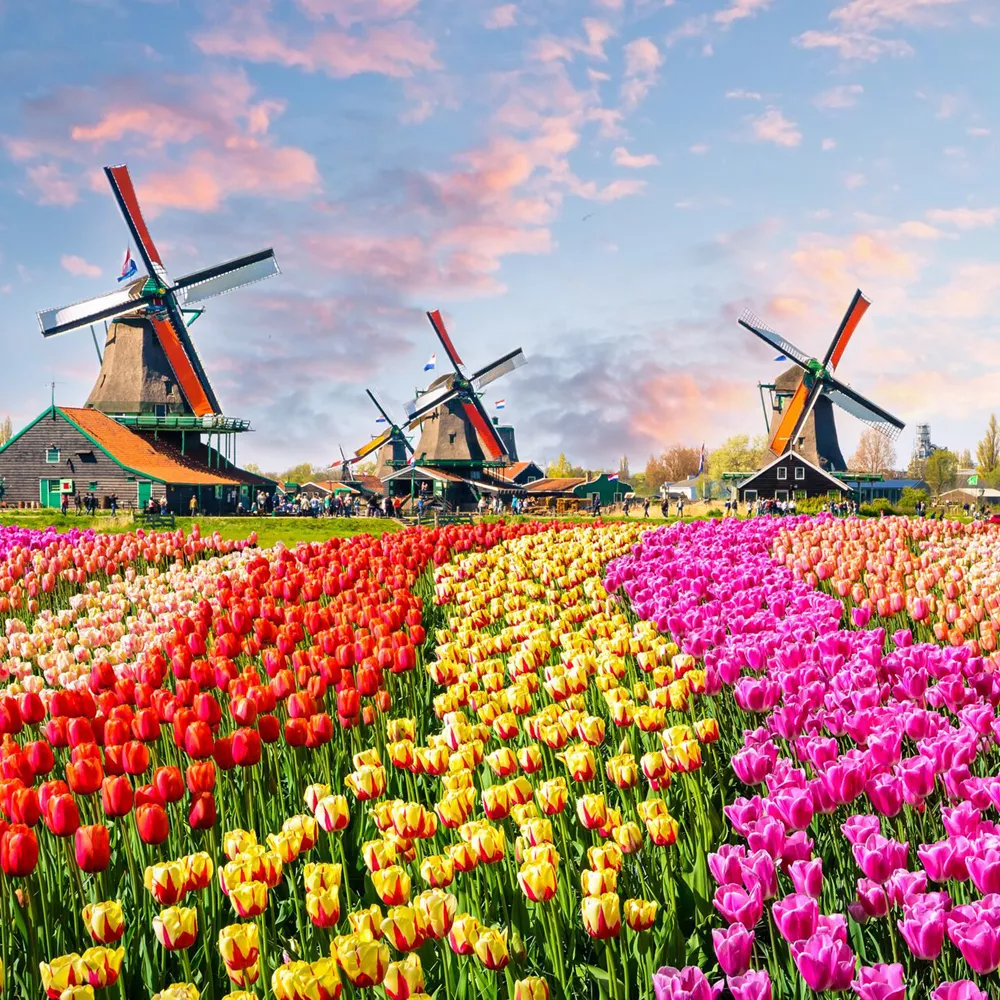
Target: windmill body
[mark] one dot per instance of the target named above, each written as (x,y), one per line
(805,394)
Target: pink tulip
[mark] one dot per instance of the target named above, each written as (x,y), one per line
(978,941)
(985,871)
(759,869)
(880,982)
(751,985)
(807,877)
(872,899)
(922,927)
(733,947)
(737,905)
(688,983)
(796,916)
(726,864)
(885,792)
(857,829)
(824,962)
(960,989)
(879,857)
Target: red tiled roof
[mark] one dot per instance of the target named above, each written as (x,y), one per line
(371,483)
(138,452)
(554,485)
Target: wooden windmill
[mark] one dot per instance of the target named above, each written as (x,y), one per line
(150,365)
(457,430)
(392,444)
(804,395)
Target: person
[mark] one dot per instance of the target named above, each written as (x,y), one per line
(163,506)
(64,504)
(680,507)
(665,507)
(114,504)
(193,505)
(481,506)
(597,505)
(729,507)
(645,507)
(420,506)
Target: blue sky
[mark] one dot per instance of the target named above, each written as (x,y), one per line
(607,183)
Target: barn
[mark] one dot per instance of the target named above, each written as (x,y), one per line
(71,452)
(790,477)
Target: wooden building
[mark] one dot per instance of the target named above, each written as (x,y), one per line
(70,452)
(790,477)
(576,493)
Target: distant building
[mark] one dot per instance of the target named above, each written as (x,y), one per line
(790,477)
(889,490)
(972,495)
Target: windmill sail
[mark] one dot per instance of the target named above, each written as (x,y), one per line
(507,364)
(756,326)
(864,409)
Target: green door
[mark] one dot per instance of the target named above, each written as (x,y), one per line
(145,492)
(48,492)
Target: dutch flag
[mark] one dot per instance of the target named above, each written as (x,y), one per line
(500,404)
(432,364)
(128,265)
(613,477)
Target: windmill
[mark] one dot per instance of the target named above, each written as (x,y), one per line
(148,341)
(463,432)
(802,417)
(345,466)
(393,441)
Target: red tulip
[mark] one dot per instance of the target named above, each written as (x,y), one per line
(135,757)
(269,728)
(201,777)
(152,822)
(198,740)
(18,851)
(202,814)
(169,783)
(146,726)
(116,796)
(24,806)
(246,747)
(296,732)
(84,776)
(93,848)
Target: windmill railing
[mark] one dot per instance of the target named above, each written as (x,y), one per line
(215,423)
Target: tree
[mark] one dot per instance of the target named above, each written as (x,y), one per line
(301,473)
(254,468)
(561,468)
(988,453)
(965,460)
(941,469)
(673,465)
(739,453)
(875,454)
(624,474)
(6,431)
(366,468)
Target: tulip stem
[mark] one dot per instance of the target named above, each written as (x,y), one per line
(612,972)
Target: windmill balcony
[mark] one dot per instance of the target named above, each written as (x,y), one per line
(216,423)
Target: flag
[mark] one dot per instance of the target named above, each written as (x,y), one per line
(432,364)
(413,459)
(500,404)
(381,420)
(613,477)
(781,357)
(128,265)
(701,461)
(974,480)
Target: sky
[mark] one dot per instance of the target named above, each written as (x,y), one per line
(606,183)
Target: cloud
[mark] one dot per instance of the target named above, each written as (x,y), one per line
(854,181)
(738,10)
(918,230)
(350,12)
(978,133)
(504,16)
(773,126)
(642,64)
(699,148)
(51,187)
(621,157)
(398,49)
(828,144)
(743,95)
(845,96)
(79,267)
(965,218)
(857,23)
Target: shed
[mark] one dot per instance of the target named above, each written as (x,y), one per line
(890,490)
(790,477)
(971,495)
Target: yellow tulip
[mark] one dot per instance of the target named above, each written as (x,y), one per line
(199,871)
(104,965)
(167,881)
(249,899)
(464,933)
(552,796)
(239,945)
(321,875)
(405,978)
(405,927)
(591,811)
(378,854)
(105,922)
(236,842)
(491,948)
(367,922)
(392,885)
(63,972)
(438,908)
(640,914)
(437,871)
(179,991)
(323,906)
(176,928)
(363,959)
(602,915)
(531,988)
(489,844)
(332,813)
(597,883)
(538,881)
(628,837)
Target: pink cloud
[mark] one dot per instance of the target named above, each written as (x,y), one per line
(349,12)
(642,64)
(79,267)
(564,49)
(773,126)
(504,16)
(743,95)
(866,48)
(838,98)
(397,50)
(918,230)
(965,218)
(738,10)
(621,157)
(52,187)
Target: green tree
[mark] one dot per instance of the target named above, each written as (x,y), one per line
(941,470)
(624,474)
(988,454)
(6,431)
(740,453)
(909,499)
(301,473)
(562,468)
(676,463)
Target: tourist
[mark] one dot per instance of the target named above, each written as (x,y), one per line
(645,507)
(481,506)
(64,504)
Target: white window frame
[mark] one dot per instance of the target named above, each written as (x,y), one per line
(781,495)
(781,472)
(800,472)
(48,459)
(749,496)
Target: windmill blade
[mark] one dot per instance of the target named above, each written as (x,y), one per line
(855,312)
(212,281)
(864,409)
(342,455)
(128,205)
(198,394)
(80,314)
(442,334)
(429,401)
(757,326)
(380,407)
(398,435)
(793,414)
(508,363)
(488,437)
(373,445)
(175,318)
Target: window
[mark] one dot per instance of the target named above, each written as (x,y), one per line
(749,496)
(52,455)
(781,494)
(800,472)
(87,457)
(782,472)
(160,410)
(800,495)
(92,487)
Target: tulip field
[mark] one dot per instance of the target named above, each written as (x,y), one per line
(514,761)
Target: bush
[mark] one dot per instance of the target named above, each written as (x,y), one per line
(714,512)
(876,508)
(811,505)
(909,500)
